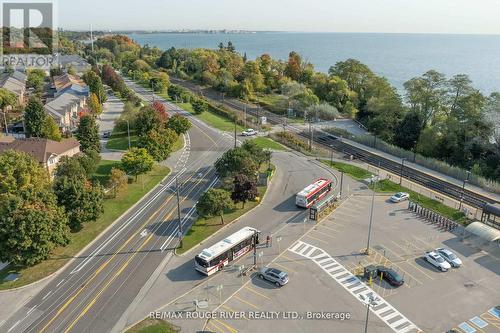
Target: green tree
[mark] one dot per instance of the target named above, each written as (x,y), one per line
(158,143)
(51,129)
(137,161)
(36,79)
(34,118)
(200,106)
(7,98)
(236,161)
(81,198)
(244,189)
(87,134)
(31,223)
(407,133)
(179,124)
(118,181)
(214,202)
(95,85)
(257,153)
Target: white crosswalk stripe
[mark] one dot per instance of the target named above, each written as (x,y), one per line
(386,312)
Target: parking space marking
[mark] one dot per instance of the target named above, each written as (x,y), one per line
(490,319)
(387,262)
(408,262)
(246,302)
(494,312)
(285,267)
(346,279)
(322,233)
(229,327)
(320,240)
(217,328)
(257,293)
(329,228)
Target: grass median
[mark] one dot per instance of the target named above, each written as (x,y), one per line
(113,209)
(387,186)
(203,228)
(153,326)
(267,143)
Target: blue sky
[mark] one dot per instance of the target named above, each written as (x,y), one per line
(404,16)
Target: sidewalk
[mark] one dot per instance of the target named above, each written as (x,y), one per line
(113,109)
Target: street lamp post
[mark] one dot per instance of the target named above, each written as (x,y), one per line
(374,183)
(5,121)
(128,133)
(369,303)
(331,154)
(341,181)
(178,209)
(402,166)
(463,190)
(235,119)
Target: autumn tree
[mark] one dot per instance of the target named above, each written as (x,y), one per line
(118,181)
(179,124)
(137,161)
(31,223)
(244,189)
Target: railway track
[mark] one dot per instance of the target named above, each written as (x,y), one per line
(330,141)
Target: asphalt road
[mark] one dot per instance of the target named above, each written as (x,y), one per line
(92,292)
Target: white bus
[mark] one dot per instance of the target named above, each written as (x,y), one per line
(312,193)
(222,253)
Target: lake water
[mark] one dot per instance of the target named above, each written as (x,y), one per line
(399,57)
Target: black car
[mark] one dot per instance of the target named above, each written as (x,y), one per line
(391,276)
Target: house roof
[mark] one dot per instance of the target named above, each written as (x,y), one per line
(65,81)
(40,148)
(15,82)
(63,103)
(72,59)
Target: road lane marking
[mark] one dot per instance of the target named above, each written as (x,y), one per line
(14,326)
(323,234)
(217,328)
(246,302)
(128,261)
(329,228)
(323,241)
(47,295)
(60,283)
(293,260)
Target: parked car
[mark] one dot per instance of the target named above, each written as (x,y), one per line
(279,278)
(249,132)
(437,261)
(106,134)
(391,276)
(400,196)
(449,257)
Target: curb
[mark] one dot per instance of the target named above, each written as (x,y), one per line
(229,224)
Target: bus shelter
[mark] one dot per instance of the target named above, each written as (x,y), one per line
(322,207)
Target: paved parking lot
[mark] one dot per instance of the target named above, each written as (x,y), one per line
(323,265)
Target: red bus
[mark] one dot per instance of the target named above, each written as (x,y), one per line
(312,193)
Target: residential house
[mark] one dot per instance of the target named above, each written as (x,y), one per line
(75,61)
(14,82)
(47,152)
(66,82)
(66,109)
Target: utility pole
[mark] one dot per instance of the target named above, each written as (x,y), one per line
(311,129)
(331,154)
(369,303)
(463,190)
(128,133)
(255,248)
(341,181)
(153,90)
(91,38)
(245,116)
(178,209)
(402,166)
(235,118)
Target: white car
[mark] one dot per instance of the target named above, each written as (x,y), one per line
(437,261)
(400,196)
(449,257)
(249,132)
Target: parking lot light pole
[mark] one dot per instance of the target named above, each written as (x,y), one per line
(372,182)
(341,181)
(401,175)
(235,119)
(178,209)
(369,303)
(463,190)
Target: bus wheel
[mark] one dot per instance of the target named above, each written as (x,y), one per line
(221,267)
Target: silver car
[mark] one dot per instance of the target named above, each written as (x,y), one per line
(279,278)
(449,257)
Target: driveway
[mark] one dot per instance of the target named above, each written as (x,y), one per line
(113,109)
